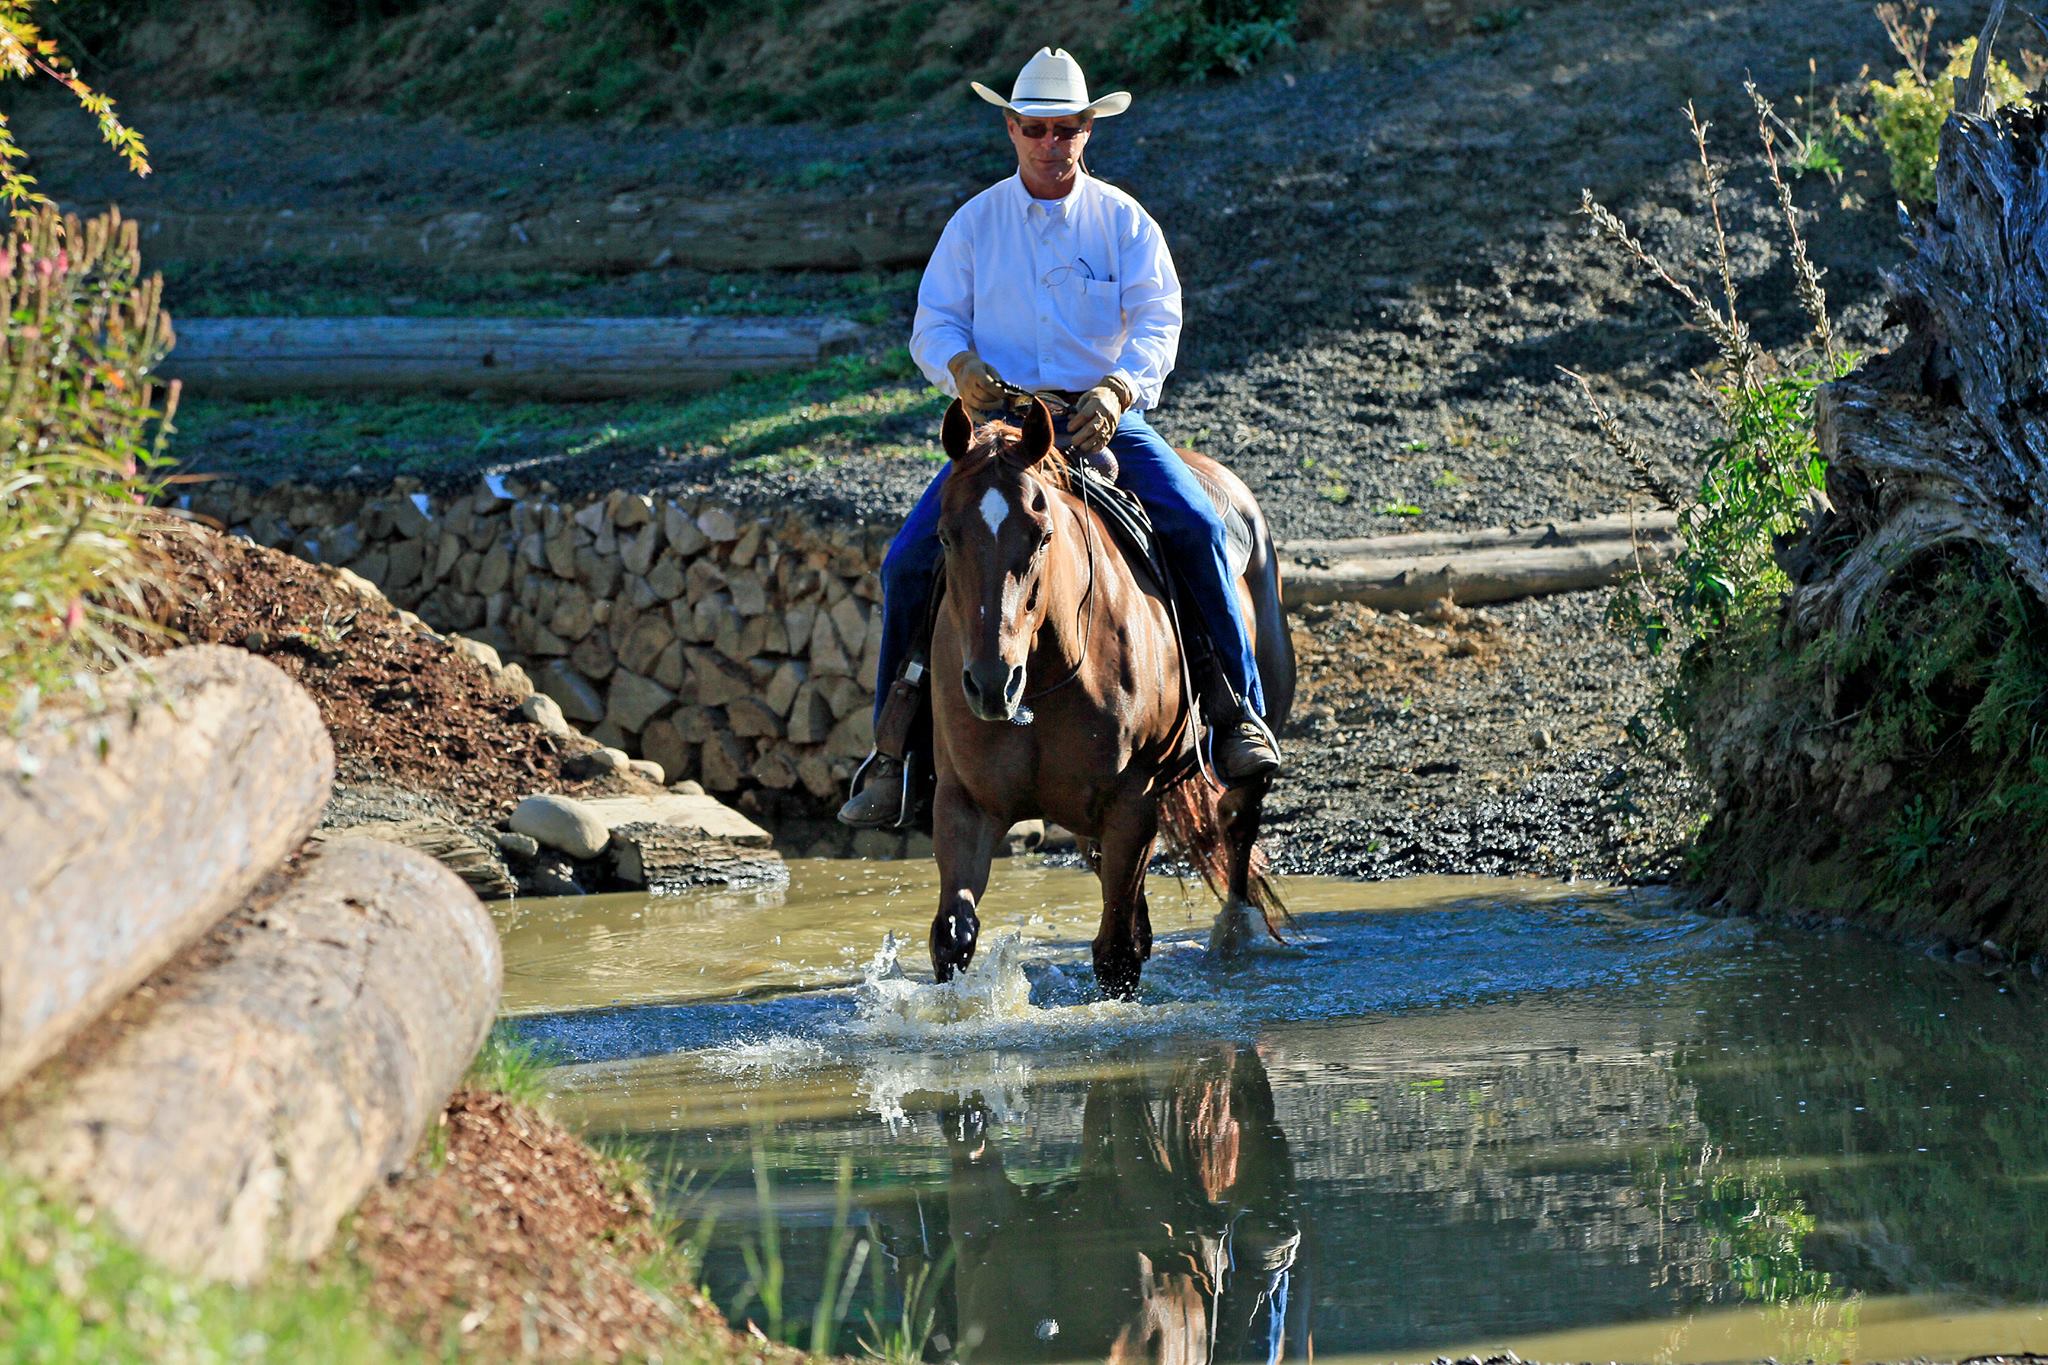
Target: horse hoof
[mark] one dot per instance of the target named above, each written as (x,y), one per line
(953,940)
(1241,931)
(1116,974)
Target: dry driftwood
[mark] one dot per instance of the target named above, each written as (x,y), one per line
(1408,572)
(256,1093)
(1946,437)
(539,358)
(125,837)
(634,230)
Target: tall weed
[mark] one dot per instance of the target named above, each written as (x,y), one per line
(1176,40)
(81,446)
(1907,112)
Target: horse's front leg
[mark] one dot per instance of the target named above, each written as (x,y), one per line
(964,842)
(1124,939)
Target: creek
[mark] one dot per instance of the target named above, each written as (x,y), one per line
(1572,1121)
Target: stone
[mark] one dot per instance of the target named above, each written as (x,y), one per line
(697,789)
(493,571)
(650,770)
(476,651)
(411,520)
(643,646)
(851,623)
(666,578)
(560,547)
(722,761)
(542,710)
(810,717)
(561,823)
(697,814)
(628,510)
(592,657)
(780,694)
(447,553)
(750,718)
(375,567)
(635,700)
(408,559)
(578,699)
(815,771)
(572,618)
(718,524)
(533,550)
(776,770)
(590,517)
(748,545)
(637,551)
(749,593)
(517,845)
(680,529)
(608,735)
(669,669)
(663,744)
(598,762)
(714,679)
(852,737)
(827,654)
(341,544)
(513,682)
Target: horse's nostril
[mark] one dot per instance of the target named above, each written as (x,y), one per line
(967,682)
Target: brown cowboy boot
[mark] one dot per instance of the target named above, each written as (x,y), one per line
(883,798)
(1244,750)
(879,802)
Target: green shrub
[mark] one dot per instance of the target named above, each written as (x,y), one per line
(1170,40)
(1910,110)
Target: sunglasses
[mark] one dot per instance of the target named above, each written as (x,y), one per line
(1065,132)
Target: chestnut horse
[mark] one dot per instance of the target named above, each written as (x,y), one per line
(1070,705)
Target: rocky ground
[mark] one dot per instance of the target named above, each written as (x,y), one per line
(1384,271)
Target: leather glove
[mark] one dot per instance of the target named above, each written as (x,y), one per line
(1095,415)
(975,381)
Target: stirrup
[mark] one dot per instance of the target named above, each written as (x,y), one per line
(902,820)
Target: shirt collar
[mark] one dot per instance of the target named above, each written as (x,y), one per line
(1056,209)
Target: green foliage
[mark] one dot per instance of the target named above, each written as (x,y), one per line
(513,1067)
(869,407)
(81,435)
(1909,112)
(1174,40)
(72,1291)
(24,53)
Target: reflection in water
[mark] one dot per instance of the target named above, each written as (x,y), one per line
(1177,1239)
(1579,1126)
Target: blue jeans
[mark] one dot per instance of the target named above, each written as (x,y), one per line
(1181,513)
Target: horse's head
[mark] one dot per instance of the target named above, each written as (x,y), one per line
(996,523)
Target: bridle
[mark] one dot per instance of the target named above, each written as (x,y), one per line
(1079,486)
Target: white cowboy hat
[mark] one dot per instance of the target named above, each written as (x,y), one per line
(1051,84)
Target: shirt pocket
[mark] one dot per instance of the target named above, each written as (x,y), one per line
(1098,309)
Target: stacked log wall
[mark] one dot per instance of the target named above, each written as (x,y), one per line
(733,649)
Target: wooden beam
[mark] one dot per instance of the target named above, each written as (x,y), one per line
(127,835)
(227,1122)
(1406,573)
(537,358)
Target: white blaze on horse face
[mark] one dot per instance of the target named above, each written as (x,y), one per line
(995,509)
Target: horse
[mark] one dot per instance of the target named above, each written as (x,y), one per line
(1071,704)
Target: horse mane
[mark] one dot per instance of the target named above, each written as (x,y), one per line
(996,439)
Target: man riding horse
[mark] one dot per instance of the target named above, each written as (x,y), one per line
(1055,282)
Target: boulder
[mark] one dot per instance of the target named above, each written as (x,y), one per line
(562,823)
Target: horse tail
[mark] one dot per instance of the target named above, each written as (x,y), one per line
(1192,818)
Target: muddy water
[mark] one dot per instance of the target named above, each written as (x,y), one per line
(1476,1114)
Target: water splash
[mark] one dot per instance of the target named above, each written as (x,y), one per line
(992,990)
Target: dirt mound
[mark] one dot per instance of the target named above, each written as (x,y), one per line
(510,1239)
(405,708)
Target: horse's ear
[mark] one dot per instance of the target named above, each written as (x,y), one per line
(1037,432)
(956,433)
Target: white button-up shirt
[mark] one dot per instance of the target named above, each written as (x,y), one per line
(1054,294)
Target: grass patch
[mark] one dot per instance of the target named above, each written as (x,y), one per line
(319,288)
(514,1067)
(874,406)
(71,1290)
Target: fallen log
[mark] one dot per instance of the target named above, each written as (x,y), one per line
(125,836)
(634,230)
(537,358)
(1475,567)
(230,1115)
